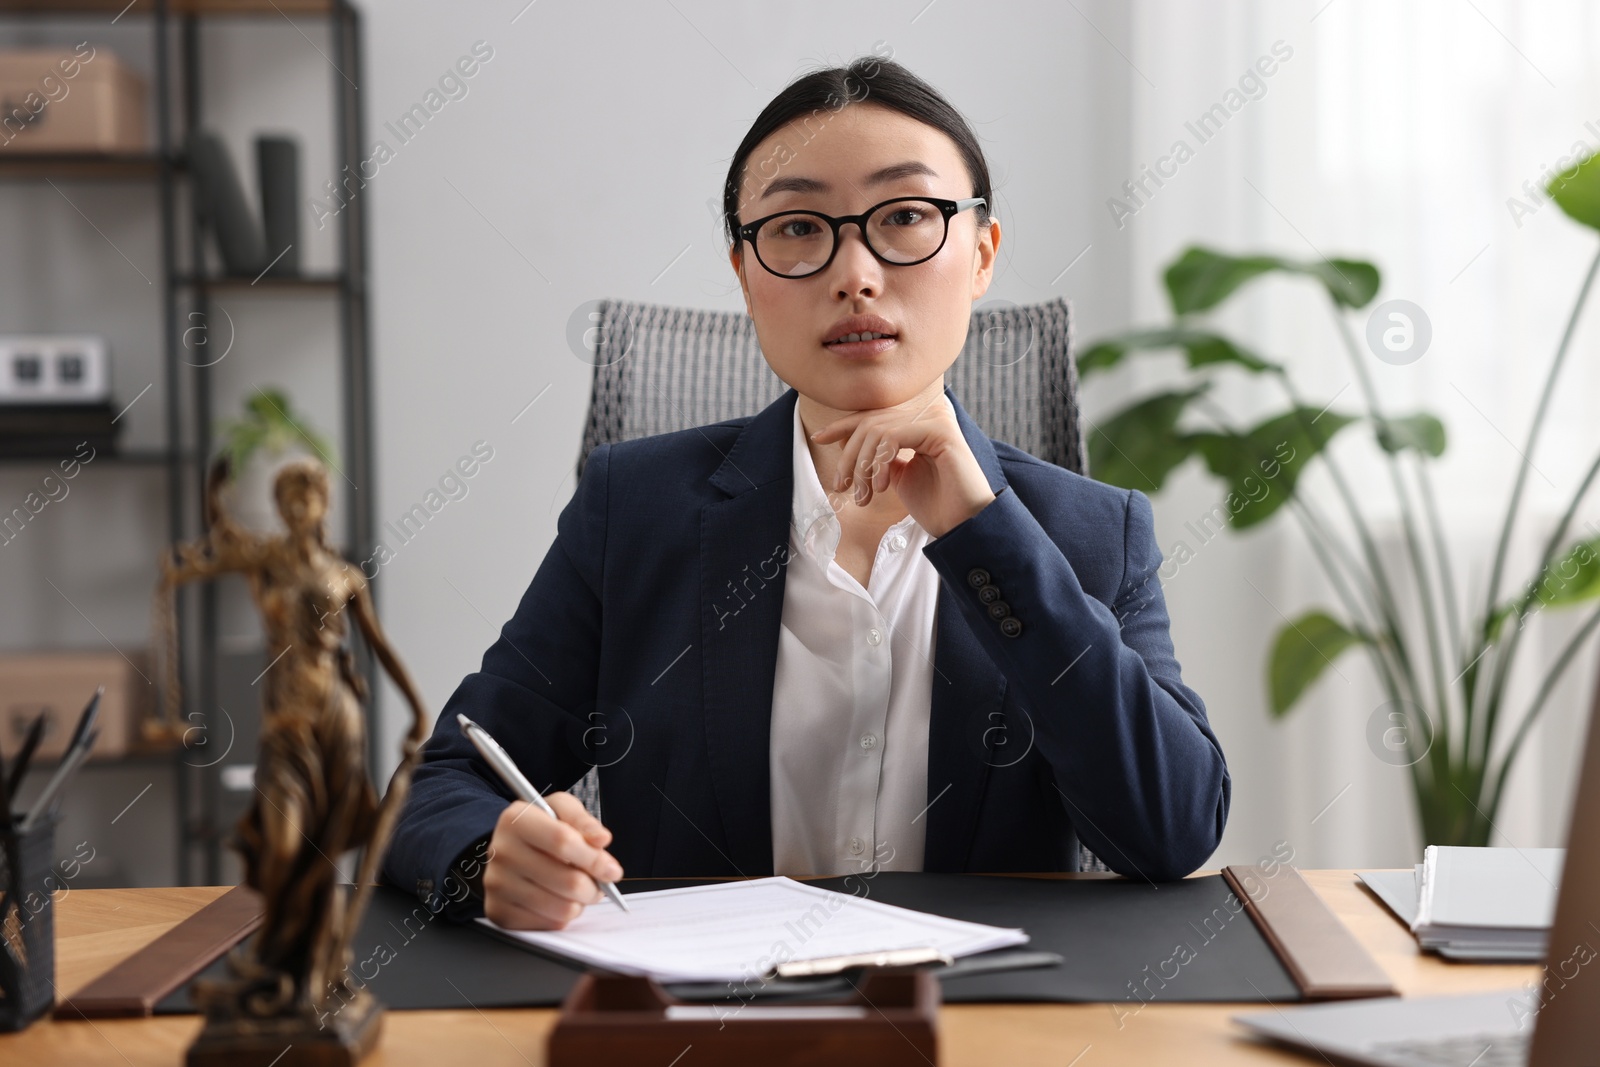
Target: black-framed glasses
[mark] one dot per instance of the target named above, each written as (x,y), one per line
(900,232)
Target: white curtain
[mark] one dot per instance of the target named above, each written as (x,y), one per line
(1404,134)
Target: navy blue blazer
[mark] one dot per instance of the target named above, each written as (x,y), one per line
(647,643)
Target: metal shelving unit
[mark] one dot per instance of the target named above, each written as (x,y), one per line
(178,93)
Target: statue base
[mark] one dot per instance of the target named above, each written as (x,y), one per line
(341,1038)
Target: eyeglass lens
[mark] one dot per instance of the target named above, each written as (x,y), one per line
(902,232)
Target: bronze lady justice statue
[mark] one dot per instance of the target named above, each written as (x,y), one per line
(313,799)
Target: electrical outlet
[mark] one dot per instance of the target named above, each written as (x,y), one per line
(53,369)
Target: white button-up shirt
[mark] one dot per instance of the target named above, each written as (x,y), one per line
(851,695)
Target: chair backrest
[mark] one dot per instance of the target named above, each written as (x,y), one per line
(659,369)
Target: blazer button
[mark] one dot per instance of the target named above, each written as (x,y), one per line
(977,577)
(1011,626)
(999,610)
(989,594)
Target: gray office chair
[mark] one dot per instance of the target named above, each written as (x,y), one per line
(659,369)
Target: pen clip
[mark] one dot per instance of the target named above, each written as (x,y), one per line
(86,720)
(897,957)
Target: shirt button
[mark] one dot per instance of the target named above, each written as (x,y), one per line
(874,636)
(868,740)
(856,846)
(897,542)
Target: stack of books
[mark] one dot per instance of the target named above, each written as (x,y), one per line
(1479,904)
(55,430)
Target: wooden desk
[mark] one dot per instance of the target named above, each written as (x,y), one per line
(97,928)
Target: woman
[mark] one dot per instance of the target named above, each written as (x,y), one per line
(850,630)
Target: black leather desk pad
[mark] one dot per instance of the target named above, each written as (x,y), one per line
(1121,940)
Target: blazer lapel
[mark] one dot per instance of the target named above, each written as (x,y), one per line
(742,541)
(741,605)
(968,689)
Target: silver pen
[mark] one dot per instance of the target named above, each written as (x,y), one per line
(506,768)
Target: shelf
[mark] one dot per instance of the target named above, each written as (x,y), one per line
(135,457)
(183,63)
(267,283)
(139,752)
(147,8)
(83,166)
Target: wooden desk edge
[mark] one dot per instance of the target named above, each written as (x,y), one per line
(98,928)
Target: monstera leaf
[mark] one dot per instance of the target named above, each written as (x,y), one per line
(1262,464)
(1203,347)
(1202,278)
(1139,446)
(1421,433)
(1572,579)
(1577,191)
(1304,648)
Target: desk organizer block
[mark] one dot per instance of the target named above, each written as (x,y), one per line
(610,1020)
(27,923)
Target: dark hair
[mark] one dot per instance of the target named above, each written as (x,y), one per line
(867,79)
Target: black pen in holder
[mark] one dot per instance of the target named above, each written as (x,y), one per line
(27,922)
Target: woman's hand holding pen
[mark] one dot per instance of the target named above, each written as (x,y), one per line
(542,872)
(941,484)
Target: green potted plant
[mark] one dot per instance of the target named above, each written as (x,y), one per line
(270,434)
(1446,678)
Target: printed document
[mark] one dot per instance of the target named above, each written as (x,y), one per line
(738,931)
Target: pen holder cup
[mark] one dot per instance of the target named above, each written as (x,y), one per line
(27,923)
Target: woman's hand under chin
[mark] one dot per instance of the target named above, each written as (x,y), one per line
(941,483)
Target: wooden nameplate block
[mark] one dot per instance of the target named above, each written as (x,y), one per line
(1320,953)
(610,1019)
(136,985)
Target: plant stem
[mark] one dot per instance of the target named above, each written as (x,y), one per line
(1447,575)
(1499,679)
(1383,646)
(1315,526)
(1563,661)
(1394,646)
(1493,593)
(1351,565)
(1369,547)
(1413,543)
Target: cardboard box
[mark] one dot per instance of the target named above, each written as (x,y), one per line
(60,684)
(70,100)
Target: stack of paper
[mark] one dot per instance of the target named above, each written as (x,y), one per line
(1488,904)
(739,931)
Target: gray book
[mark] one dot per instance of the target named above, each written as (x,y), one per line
(278,168)
(222,198)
